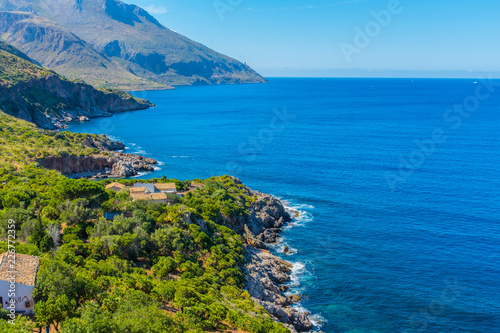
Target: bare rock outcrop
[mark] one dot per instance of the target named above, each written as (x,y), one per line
(266,273)
(108,163)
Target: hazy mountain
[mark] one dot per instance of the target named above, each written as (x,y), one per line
(129,36)
(41,96)
(55,47)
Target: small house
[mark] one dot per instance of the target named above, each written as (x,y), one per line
(166,188)
(150,187)
(17,281)
(117,187)
(138,190)
(154,197)
(196,185)
(110,216)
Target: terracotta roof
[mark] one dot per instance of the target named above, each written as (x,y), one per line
(149,196)
(25,267)
(121,186)
(137,190)
(158,196)
(165,186)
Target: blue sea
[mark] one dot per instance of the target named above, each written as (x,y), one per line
(397,182)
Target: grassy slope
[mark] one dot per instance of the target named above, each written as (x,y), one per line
(22,143)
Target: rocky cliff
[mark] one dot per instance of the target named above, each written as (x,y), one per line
(107,163)
(41,96)
(267,275)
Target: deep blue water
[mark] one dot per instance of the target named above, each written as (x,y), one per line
(419,255)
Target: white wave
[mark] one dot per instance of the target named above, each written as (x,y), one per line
(303,206)
(300,218)
(157,168)
(140,174)
(317,320)
(302,276)
(281,244)
(179,156)
(161,163)
(297,269)
(139,151)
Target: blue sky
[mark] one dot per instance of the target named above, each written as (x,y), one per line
(443,38)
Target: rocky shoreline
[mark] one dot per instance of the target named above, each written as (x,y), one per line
(267,275)
(110,162)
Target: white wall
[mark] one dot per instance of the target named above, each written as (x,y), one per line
(23,293)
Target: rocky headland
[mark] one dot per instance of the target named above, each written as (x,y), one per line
(42,97)
(109,162)
(267,275)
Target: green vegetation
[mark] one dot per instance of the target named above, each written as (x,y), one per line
(174,268)
(22,143)
(14,69)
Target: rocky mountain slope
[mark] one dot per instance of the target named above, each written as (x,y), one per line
(126,35)
(57,48)
(41,96)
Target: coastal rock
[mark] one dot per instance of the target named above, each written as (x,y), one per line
(77,100)
(128,165)
(250,239)
(103,143)
(103,165)
(266,274)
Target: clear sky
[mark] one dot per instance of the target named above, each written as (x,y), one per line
(440,38)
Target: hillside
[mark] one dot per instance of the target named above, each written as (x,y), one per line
(41,96)
(56,48)
(162,268)
(130,37)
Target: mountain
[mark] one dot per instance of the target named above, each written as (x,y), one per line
(131,37)
(57,48)
(41,96)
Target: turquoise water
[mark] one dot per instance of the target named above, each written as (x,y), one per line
(381,245)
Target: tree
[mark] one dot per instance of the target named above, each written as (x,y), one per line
(92,319)
(164,267)
(46,244)
(54,311)
(38,234)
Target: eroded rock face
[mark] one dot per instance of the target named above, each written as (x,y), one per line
(108,163)
(79,99)
(266,273)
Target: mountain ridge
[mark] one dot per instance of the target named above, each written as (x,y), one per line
(131,38)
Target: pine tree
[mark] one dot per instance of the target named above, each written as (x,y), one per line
(38,233)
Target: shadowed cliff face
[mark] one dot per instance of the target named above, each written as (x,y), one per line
(110,162)
(41,96)
(115,164)
(129,36)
